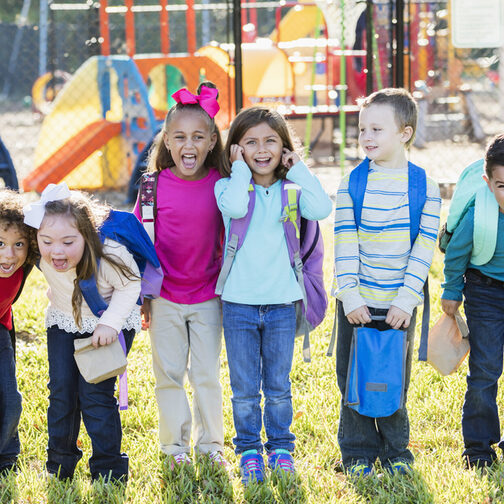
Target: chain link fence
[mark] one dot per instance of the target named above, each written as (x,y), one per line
(84,85)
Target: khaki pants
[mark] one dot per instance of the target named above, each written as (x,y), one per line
(187,339)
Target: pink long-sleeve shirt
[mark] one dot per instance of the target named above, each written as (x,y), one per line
(189,234)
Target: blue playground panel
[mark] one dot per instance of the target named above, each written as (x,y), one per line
(7,171)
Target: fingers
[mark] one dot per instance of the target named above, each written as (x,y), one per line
(289,158)
(236,153)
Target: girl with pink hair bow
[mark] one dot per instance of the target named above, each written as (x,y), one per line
(176,203)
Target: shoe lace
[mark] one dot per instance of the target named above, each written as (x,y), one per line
(218,458)
(284,463)
(181,457)
(252,465)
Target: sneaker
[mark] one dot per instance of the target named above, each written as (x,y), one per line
(252,467)
(179,459)
(360,468)
(218,458)
(398,467)
(281,460)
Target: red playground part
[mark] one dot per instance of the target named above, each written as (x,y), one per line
(71,154)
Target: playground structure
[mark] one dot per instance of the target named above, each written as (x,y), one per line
(315,60)
(113,104)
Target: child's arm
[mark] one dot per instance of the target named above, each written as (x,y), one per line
(314,202)
(420,259)
(125,290)
(346,255)
(232,193)
(457,258)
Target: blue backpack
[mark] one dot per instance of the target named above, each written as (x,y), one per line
(472,191)
(126,229)
(417,195)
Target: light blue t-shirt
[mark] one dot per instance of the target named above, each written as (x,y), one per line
(261,273)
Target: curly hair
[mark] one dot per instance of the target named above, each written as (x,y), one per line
(11,214)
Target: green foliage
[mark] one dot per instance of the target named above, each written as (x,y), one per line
(434,405)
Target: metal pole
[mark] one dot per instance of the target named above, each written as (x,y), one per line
(43,37)
(369,46)
(237,38)
(399,60)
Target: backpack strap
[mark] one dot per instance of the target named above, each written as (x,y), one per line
(148,197)
(357,183)
(237,232)
(486,223)
(417,195)
(291,219)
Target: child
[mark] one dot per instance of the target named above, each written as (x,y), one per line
(483,290)
(185,321)
(17,256)
(259,295)
(70,249)
(378,271)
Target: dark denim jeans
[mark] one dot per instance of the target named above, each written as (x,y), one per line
(10,402)
(260,346)
(70,396)
(484,309)
(366,438)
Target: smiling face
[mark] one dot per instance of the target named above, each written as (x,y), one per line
(262,151)
(13,250)
(189,140)
(60,243)
(380,137)
(496,185)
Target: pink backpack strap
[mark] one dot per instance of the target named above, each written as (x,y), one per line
(148,208)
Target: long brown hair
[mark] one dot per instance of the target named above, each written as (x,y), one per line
(161,158)
(89,216)
(250,117)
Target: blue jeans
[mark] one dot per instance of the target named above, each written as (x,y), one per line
(70,396)
(260,346)
(366,438)
(484,309)
(10,403)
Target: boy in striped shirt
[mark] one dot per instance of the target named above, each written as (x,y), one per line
(378,271)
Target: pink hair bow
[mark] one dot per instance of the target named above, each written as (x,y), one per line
(207,99)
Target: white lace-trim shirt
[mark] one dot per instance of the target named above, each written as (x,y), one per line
(120,293)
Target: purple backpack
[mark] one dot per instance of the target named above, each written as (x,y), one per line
(306,253)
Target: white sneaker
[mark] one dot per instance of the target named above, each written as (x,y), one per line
(179,459)
(218,458)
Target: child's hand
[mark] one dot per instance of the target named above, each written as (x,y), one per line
(289,158)
(360,315)
(103,335)
(236,153)
(145,310)
(397,319)
(450,307)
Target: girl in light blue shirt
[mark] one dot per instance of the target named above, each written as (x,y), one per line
(261,290)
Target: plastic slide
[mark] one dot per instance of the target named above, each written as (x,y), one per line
(94,136)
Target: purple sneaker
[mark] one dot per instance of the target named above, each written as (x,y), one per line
(252,467)
(282,461)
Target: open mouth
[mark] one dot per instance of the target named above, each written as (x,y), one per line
(7,268)
(262,162)
(60,264)
(189,161)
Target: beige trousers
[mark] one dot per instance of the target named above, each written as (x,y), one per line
(186,341)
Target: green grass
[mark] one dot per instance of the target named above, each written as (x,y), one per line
(434,405)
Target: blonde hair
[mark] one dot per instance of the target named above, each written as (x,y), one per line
(403,104)
(89,215)
(161,158)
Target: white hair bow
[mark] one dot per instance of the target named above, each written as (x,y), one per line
(34,213)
